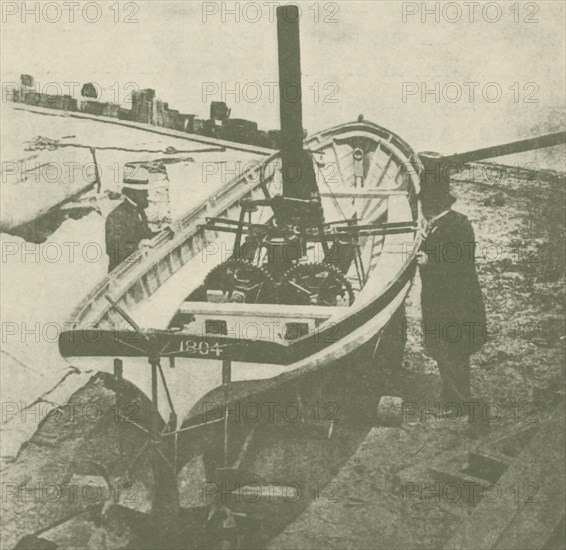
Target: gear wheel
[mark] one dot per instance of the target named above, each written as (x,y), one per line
(242,282)
(315,284)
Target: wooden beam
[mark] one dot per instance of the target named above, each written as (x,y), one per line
(364,193)
(384,170)
(338,164)
(282,311)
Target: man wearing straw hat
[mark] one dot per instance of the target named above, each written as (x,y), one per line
(454,321)
(126,225)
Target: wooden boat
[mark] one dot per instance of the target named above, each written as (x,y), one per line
(371,178)
(237,347)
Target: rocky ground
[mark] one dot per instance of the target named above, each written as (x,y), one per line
(522,276)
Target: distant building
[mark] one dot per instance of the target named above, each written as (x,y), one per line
(274,139)
(198,125)
(98,108)
(186,123)
(125,114)
(27,81)
(262,137)
(60,102)
(89,91)
(239,129)
(219,111)
(148,109)
(142,105)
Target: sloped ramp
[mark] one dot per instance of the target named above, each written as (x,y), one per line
(530,508)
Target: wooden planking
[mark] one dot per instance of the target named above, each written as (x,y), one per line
(339,164)
(374,166)
(363,193)
(129,300)
(392,178)
(378,209)
(151,280)
(145,285)
(176,259)
(376,248)
(163,269)
(138,291)
(267,310)
(505,521)
(384,170)
(401,172)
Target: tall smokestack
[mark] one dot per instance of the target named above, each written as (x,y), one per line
(298,173)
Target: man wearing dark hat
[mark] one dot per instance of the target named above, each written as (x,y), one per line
(126,225)
(452,303)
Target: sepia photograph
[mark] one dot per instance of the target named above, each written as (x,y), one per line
(283,275)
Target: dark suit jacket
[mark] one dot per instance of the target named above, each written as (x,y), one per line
(126,226)
(452,303)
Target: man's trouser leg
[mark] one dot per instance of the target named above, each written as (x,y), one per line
(391,379)
(455,374)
